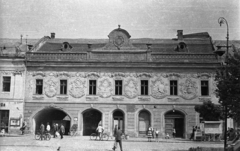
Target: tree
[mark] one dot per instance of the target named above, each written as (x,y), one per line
(228,86)
(209,111)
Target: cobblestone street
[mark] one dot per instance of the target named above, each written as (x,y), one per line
(83,143)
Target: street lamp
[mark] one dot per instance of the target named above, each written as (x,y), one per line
(221,21)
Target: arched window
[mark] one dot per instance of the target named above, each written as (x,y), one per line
(144,121)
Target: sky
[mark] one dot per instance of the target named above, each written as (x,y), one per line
(97,18)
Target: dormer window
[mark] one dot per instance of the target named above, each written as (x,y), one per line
(181,47)
(66,46)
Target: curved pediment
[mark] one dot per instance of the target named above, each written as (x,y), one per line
(119,39)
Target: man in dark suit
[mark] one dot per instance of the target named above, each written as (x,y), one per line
(118,139)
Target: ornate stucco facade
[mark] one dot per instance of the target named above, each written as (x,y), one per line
(144,67)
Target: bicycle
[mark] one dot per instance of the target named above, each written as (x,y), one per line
(46,136)
(104,137)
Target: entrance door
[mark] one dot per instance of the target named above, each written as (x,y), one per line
(4,118)
(174,119)
(144,122)
(118,119)
(91,119)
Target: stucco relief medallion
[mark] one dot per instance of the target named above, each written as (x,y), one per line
(118,41)
(159,89)
(50,88)
(77,88)
(105,89)
(130,89)
(188,89)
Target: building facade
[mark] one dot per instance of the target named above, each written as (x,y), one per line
(132,83)
(12,80)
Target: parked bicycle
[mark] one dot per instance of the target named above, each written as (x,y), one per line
(46,136)
(104,137)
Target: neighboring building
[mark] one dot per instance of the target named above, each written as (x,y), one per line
(129,83)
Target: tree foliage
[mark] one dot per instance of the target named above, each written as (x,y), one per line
(209,111)
(228,86)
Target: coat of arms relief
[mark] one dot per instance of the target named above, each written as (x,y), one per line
(105,89)
(77,88)
(50,88)
(159,89)
(130,89)
(188,89)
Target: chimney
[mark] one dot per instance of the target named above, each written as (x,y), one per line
(52,35)
(180,34)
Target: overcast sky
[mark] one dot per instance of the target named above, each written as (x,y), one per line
(97,18)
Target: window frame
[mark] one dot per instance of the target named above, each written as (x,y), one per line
(204,87)
(144,89)
(119,87)
(92,88)
(36,90)
(66,87)
(6,82)
(173,88)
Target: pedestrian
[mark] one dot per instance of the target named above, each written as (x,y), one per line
(24,125)
(149,133)
(174,132)
(48,128)
(118,139)
(192,135)
(114,135)
(62,131)
(100,130)
(153,132)
(156,133)
(42,128)
(55,129)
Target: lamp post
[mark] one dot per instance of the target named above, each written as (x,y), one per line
(221,21)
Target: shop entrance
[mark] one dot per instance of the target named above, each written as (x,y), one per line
(143,122)
(91,119)
(52,116)
(175,119)
(118,119)
(4,118)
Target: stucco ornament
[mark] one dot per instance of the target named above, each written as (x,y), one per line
(77,88)
(130,89)
(188,89)
(159,89)
(30,87)
(105,89)
(50,88)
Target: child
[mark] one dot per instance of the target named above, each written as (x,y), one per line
(167,136)
(156,133)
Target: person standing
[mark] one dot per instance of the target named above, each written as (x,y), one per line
(48,128)
(114,135)
(192,135)
(149,133)
(62,130)
(118,139)
(24,125)
(156,133)
(42,128)
(174,132)
(100,130)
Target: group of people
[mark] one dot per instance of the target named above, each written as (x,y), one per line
(151,132)
(56,130)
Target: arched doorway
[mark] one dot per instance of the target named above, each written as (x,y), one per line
(175,119)
(118,119)
(91,119)
(51,115)
(144,120)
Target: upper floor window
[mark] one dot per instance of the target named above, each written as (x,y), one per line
(144,87)
(6,84)
(63,86)
(39,86)
(118,87)
(173,87)
(204,88)
(92,87)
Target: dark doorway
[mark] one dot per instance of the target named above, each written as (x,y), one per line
(174,119)
(144,122)
(118,119)
(52,115)
(91,119)
(4,118)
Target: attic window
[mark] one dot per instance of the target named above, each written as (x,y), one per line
(182,45)
(66,46)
